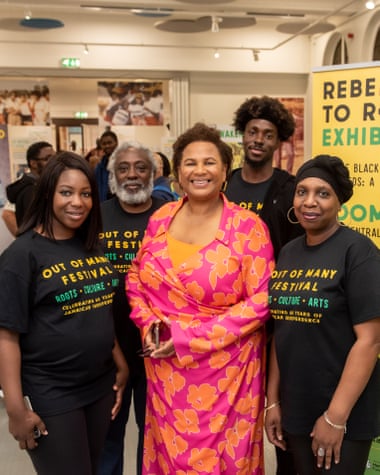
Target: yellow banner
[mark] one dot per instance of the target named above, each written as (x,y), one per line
(346,123)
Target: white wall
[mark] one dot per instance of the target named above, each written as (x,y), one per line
(216,87)
(132,46)
(215,97)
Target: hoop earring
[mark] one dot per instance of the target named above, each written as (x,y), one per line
(289,218)
(342,223)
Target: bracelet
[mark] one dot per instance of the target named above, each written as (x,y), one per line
(336,426)
(275,404)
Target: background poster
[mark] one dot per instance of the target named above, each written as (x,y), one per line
(290,154)
(130,103)
(24,103)
(373,464)
(346,109)
(345,113)
(234,139)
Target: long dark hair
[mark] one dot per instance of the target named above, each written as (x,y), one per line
(40,213)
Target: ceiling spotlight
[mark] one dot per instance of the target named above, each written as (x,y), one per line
(255,54)
(216,54)
(27,14)
(85,50)
(370,5)
(215,20)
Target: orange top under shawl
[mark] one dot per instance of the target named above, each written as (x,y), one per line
(205,404)
(180,251)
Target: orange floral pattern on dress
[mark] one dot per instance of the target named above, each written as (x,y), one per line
(220,359)
(204,460)
(163,464)
(195,262)
(246,351)
(186,321)
(235,434)
(193,288)
(149,452)
(149,277)
(222,300)
(202,397)
(231,383)
(186,362)
(205,404)
(153,423)
(217,423)
(150,373)
(174,443)
(200,345)
(158,406)
(187,421)
(176,299)
(244,466)
(255,408)
(254,367)
(244,405)
(221,263)
(220,337)
(172,380)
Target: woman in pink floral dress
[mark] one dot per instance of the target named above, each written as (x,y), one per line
(202,274)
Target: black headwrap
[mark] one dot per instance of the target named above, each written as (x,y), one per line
(330,169)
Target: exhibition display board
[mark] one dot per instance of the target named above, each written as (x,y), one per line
(346,110)
(345,123)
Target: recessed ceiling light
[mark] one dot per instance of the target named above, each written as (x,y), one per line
(41,23)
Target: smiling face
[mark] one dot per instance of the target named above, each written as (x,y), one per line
(134,177)
(260,140)
(316,206)
(201,172)
(72,203)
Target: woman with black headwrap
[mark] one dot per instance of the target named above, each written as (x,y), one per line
(324,380)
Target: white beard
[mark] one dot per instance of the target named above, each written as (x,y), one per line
(134,198)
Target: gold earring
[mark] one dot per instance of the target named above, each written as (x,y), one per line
(288,216)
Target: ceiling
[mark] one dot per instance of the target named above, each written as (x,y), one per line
(191,16)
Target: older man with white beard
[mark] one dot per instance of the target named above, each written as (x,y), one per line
(125,216)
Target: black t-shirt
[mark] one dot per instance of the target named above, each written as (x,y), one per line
(121,239)
(58,298)
(247,195)
(272,200)
(317,294)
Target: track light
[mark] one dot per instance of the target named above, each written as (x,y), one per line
(85,50)
(216,54)
(27,14)
(370,5)
(215,20)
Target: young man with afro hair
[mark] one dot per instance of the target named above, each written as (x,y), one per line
(268,191)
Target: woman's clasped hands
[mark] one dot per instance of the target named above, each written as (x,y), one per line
(158,342)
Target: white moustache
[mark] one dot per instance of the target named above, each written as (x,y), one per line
(132,182)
